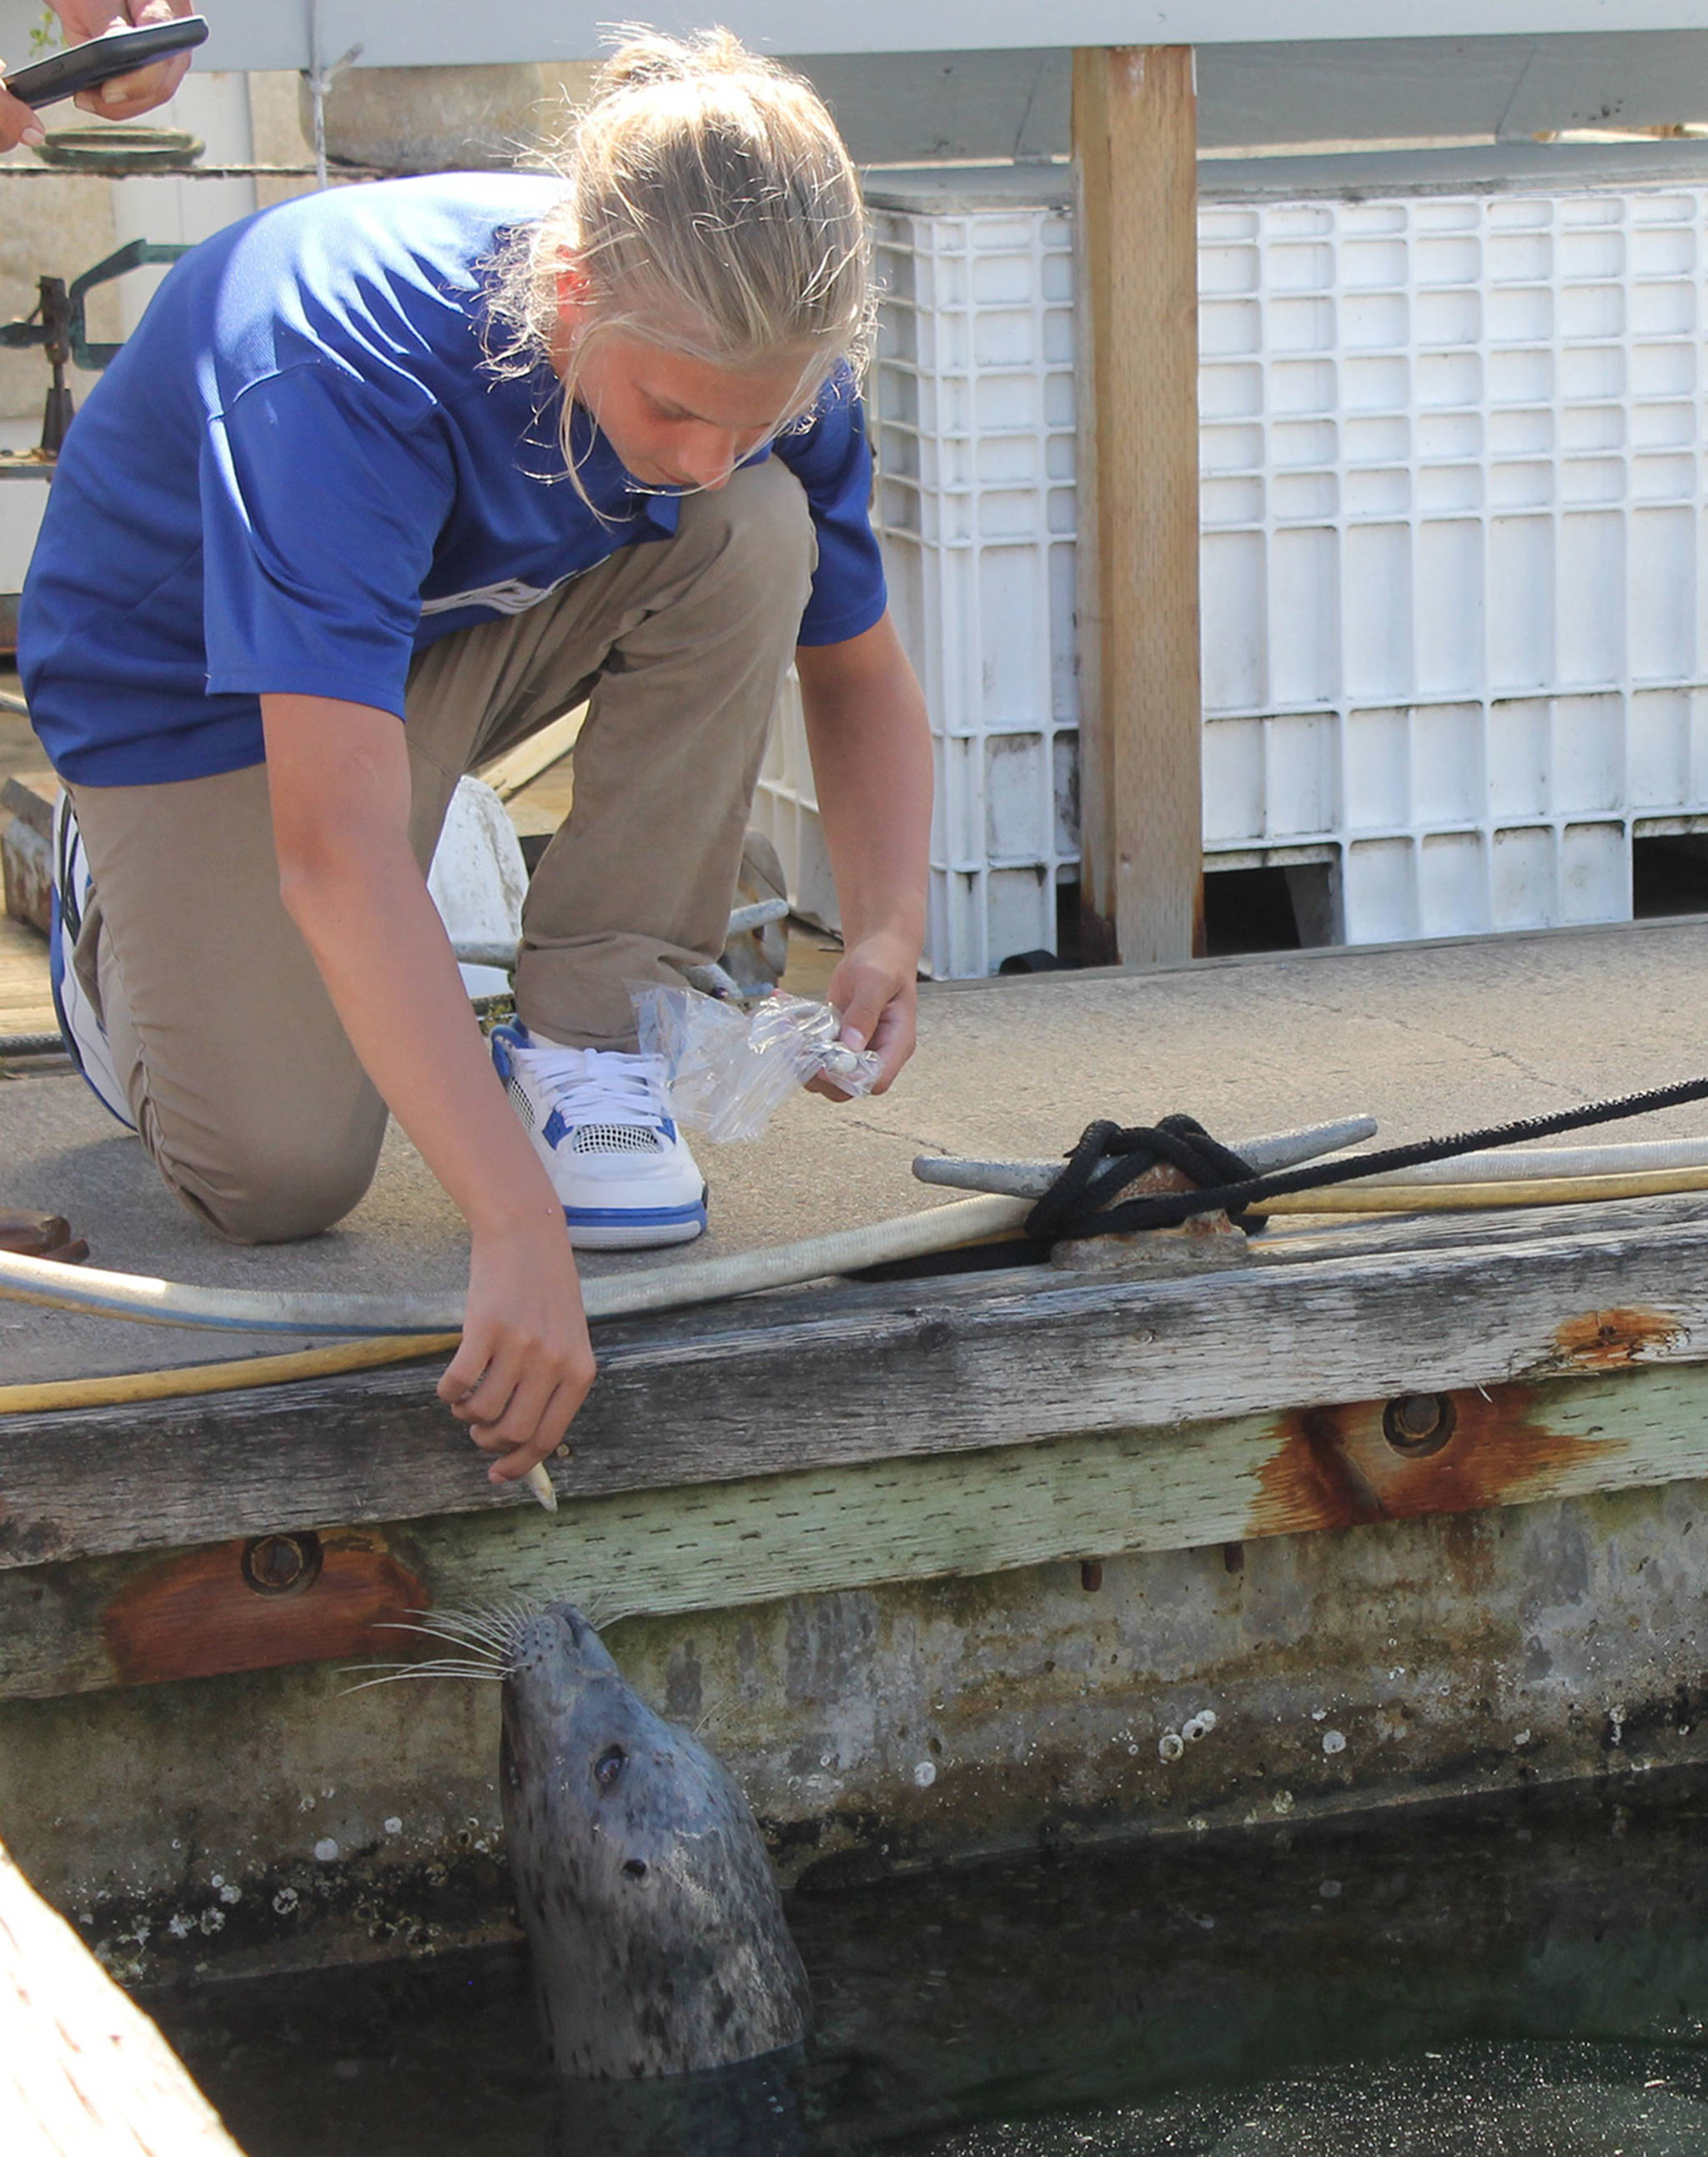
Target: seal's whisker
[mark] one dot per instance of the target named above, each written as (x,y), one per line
(490,1652)
(470,1623)
(440,1670)
(463,1621)
(495,1628)
(506,1619)
(439,1631)
(395,1675)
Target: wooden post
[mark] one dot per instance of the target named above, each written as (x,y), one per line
(1141,812)
(83,2074)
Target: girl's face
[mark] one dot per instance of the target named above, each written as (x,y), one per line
(680,422)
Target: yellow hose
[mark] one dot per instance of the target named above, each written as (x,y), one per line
(222,1377)
(193,1378)
(1398,1198)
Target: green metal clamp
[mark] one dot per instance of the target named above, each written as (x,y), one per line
(56,325)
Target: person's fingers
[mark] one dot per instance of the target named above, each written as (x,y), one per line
(479,1379)
(125,95)
(864,991)
(17,121)
(555,1419)
(894,1038)
(877,1010)
(516,1396)
(517,1421)
(487,1402)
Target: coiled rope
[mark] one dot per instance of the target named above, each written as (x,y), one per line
(1085,1199)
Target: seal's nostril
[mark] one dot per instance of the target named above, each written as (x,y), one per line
(636,1868)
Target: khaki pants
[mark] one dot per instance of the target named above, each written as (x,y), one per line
(243,1085)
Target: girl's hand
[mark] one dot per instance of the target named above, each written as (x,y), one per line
(876,990)
(526,1363)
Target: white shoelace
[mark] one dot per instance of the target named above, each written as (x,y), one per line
(593,1086)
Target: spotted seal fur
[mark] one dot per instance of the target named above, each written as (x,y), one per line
(658,1937)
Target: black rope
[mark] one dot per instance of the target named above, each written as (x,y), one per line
(1108,1158)
(1078,1203)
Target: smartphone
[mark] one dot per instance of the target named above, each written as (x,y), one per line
(62,74)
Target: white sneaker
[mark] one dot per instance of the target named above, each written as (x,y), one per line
(84,1037)
(600,1120)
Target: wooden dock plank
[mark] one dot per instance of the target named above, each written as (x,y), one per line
(83,2073)
(709,1545)
(873,1374)
(26,1000)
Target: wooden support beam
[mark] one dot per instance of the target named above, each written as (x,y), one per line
(1141,814)
(875,1373)
(711,1545)
(83,2074)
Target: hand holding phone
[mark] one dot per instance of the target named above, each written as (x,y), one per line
(85,67)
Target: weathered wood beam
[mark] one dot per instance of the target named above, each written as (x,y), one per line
(873,1374)
(708,1547)
(83,2073)
(1141,814)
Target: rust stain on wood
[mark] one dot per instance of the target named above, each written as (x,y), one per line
(1310,1481)
(1613,1339)
(1334,1467)
(196,1616)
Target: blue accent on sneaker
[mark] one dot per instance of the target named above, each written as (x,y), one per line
(555,1130)
(56,974)
(503,1037)
(638,1217)
(56,984)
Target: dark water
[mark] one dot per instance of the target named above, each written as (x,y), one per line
(1529,1979)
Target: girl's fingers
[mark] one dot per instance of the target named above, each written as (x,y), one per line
(516,1423)
(476,1389)
(507,1410)
(894,1040)
(554,1419)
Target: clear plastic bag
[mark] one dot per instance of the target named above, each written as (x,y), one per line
(732,1065)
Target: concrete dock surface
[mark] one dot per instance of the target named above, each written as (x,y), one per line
(1430,1038)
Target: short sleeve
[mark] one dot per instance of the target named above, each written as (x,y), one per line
(321,498)
(833,460)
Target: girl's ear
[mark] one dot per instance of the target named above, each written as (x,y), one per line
(573,291)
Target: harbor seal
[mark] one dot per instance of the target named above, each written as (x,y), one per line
(658,1937)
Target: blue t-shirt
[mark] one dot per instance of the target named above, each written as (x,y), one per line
(298,472)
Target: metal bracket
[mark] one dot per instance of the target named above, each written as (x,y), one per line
(56,324)
(134,255)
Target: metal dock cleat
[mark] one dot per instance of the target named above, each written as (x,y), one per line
(1206,1240)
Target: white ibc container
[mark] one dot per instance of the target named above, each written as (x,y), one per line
(21,503)
(1453,586)
(1452,578)
(972,410)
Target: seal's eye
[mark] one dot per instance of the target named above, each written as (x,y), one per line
(608,1766)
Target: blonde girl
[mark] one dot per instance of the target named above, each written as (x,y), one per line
(387,479)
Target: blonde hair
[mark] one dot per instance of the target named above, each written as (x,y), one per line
(713,210)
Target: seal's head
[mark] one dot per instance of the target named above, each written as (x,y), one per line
(658,1938)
